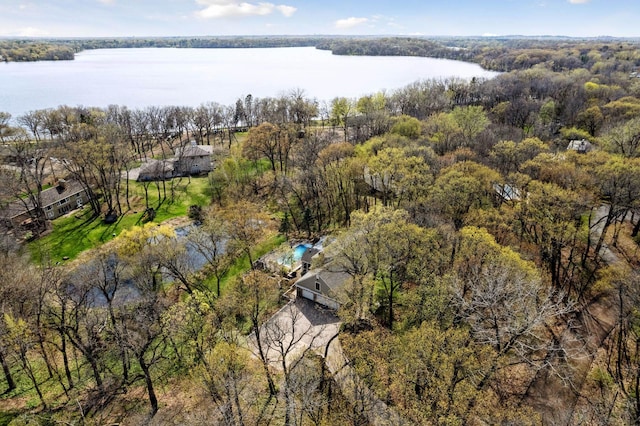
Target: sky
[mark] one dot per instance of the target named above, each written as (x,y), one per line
(153,18)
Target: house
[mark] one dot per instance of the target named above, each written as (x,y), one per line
(376,182)
(156,170)
(193,159)
(582,146)
(56,201)
(507,192)
(322,286)
(189,160)
(307,258)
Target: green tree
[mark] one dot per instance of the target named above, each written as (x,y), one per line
(341,112)
(472,120)
(407,126)
(397,176)
(551,219)
(624,139)
(444,132)
(460,188)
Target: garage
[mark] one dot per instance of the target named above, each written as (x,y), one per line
(307,294)
(326,302)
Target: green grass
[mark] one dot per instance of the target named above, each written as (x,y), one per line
(79,231)
(241,265)
(7,416)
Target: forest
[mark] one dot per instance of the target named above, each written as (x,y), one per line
(64,49)
(492,53)
(487,230)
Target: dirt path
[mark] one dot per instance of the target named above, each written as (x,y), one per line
(555,391)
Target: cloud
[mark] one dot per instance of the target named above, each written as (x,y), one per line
(287,11)
(351,22)
(579,1)
(31,32)
(107,2)
(234,8)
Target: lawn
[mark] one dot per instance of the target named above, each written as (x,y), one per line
(79,230)
(241,264)
(7,416)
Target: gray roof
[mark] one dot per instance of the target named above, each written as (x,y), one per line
(15,209)
(157,167)
(508,192)
(194,151)
(307,256)
(581,145)
(332,279)
(48,197)
(60,191)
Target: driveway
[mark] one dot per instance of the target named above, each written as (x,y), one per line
(300,326)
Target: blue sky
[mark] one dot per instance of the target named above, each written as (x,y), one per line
(104,18)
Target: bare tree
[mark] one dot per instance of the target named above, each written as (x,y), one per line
(509,309)
(290,337)
(210,241)
(146,340)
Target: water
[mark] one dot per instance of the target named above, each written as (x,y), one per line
(143,77)
(294,255)
(299,251)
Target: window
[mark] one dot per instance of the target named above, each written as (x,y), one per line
(318,285)
(48,207)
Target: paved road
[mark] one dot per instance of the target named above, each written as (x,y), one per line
(301,326)
(298,327)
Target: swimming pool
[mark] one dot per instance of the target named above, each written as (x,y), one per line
(295,255)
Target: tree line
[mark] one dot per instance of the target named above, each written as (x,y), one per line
(64,49)
(494,53)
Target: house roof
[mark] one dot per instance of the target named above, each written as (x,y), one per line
(63,190)
(48,197)
(332,279)
(157,167)
(582,145)
(194,151)
(15,209)
(308,255)
(508,192)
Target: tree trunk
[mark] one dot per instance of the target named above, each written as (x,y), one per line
(390,319)
(96,371)
(65,359)
(153,400)
(121,347)
(7,373)
(636,229)
(265,362)
(29,370)
(288,401)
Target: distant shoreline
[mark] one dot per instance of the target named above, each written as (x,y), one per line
(500,53)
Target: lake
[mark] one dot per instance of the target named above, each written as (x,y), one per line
(151,76)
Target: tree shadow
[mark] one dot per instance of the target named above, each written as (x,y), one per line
(316,314)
